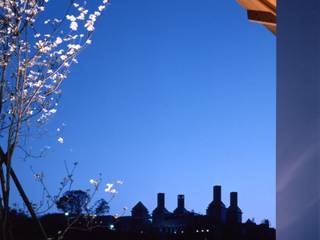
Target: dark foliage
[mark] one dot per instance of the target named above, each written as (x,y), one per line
(102,207)
(73,202)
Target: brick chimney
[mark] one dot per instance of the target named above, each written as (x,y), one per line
(180,201)
(217,193)
(161,200)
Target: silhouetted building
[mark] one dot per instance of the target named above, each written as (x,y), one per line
(138,222)
(160,212)
(234,213)
(219,223)
(180,210)
(216,209)
(140,211)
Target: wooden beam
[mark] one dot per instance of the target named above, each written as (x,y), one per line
(269,5)
(262,12)
(265,18)
(259,5)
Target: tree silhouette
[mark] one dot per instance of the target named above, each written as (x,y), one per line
(73,202)
(102,207)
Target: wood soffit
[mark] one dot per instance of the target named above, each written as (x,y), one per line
(262,11)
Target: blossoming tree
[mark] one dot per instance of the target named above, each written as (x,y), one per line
(35,58)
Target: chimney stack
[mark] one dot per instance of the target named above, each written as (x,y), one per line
(161,200)
(234,199)
(180,201)
(217,193)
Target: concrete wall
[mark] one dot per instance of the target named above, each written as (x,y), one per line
(298,120)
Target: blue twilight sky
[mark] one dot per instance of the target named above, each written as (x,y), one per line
(173,96)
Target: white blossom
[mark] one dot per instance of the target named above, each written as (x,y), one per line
(92,17)
(101,8)
(63,57)
(29,112)
(74,46)
(89,25)
(74,26)
(108,187)
(113,191)
(71,18)
(60,140)
(37,54)
(94,182)
(120,182)
(81,16)
(58,40)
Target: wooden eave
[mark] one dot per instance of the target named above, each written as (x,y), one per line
(261,11)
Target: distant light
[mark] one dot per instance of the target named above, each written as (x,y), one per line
(197,230)
(66,214)
(111,227)
(207,230)
(202,230)
(182,232)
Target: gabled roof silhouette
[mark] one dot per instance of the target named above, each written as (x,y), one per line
(181,211)
(140,211)
(160,211)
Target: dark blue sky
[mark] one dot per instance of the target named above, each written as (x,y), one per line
(173,96)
